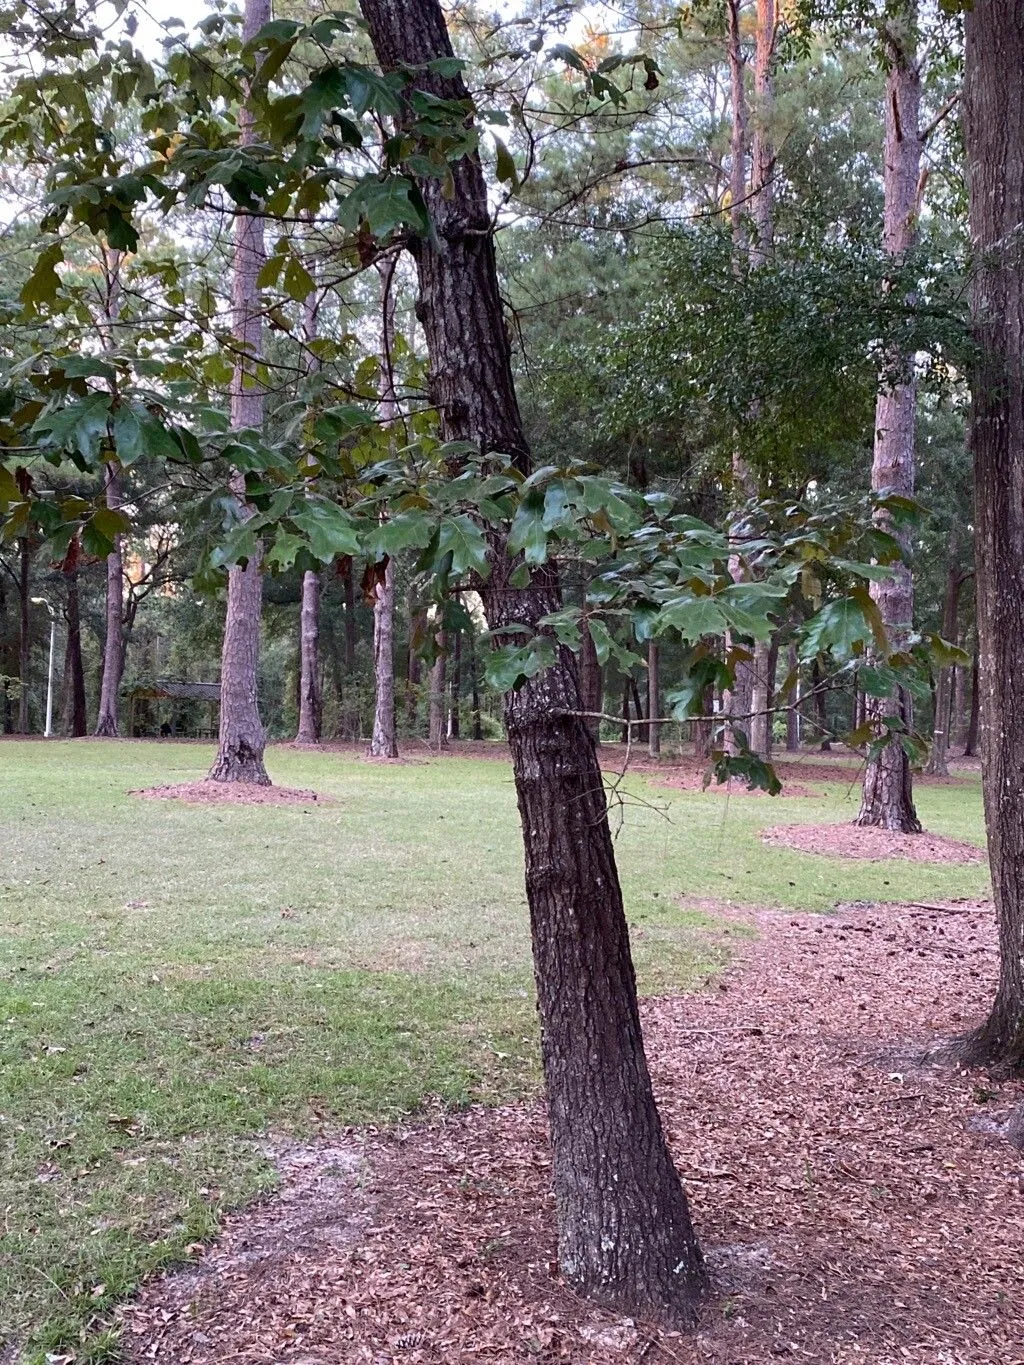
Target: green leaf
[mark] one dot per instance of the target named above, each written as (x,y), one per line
(692,617)
(43,285)
(462,538)
(506,168)
(298,282)
(527,534)
(328,529)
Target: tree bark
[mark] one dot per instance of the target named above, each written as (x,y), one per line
(384,736)
(474,684)
(625,1236)
(653,699)
(888,799)
(351,632)
(242,737)
(994,136)
(24,631)
(414,664)
(456,688)
(310,698)
(107,722)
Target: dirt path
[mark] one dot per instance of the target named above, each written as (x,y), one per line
(856,1205)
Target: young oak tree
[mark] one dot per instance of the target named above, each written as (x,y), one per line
(994,137)
(625,1235)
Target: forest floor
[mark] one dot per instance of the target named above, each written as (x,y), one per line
(179,981)
(857,1201)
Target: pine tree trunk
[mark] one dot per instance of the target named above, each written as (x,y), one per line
(958,704)
(384,736)
(351,630)
(625,1236)
(24,631)
(888,799)
(310,699)
(653,699)
(474,683)
(414,664)
(75,721)
(994,137)
(242,737)
(107,722)
(456,698)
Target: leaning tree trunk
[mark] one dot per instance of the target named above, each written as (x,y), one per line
(994,135)
(625,1236)
(384,736)
(888,799)
(113,646)
(242,737)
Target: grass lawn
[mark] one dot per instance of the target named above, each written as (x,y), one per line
(176,982)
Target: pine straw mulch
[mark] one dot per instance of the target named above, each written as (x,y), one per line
(208,793)
(847,840)
(856,1202)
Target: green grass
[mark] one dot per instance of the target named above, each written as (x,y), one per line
(178,982)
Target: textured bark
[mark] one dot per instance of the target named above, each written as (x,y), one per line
(242,737)
(107,722)
(653,699)
(994,136)
(414,667)
(75,722)
(888,798)
(310,699)
(738,139)
(474,686)
(937,759)
(958,709)
(625,1236)
(384,736)
(24,631)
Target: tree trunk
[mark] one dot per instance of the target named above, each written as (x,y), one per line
(994,136)
(75,721)
(653,700)
(625,1236)
(107,722)
(242,737)
(437,732)
(414,668)
(24,631)
(627,729)
(974,723)
(793,713)
(591,681)
(937,764)
(957,709)
(384,736)
(888,798)
(310,698)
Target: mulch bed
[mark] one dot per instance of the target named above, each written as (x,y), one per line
(875,845)
(856,1202)
(231,794)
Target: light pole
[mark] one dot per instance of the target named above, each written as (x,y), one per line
(43,602)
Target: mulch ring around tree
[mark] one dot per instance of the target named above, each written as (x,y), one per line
(232,793)
(848,840)
(856,1203)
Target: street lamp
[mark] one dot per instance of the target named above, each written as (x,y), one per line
(43,602)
